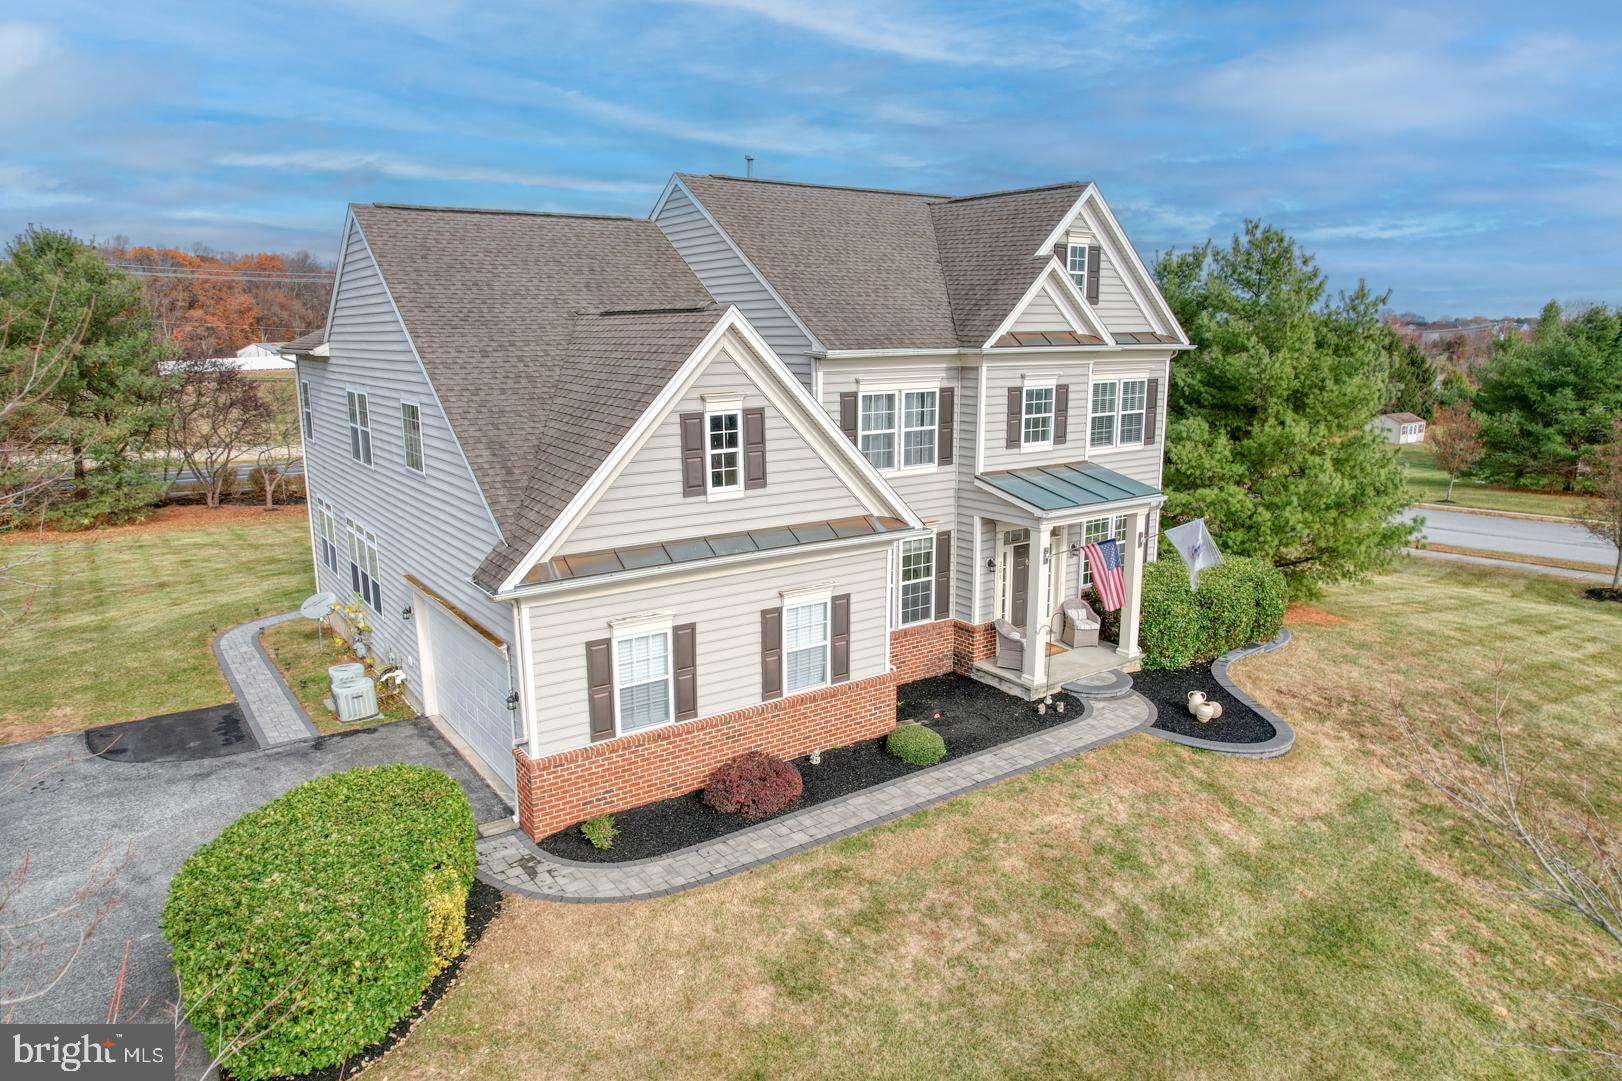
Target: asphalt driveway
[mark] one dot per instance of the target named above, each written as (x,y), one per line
(73,806)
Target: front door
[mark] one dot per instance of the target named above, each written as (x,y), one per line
(1022,576)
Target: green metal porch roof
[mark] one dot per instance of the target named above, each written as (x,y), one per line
(1066,487)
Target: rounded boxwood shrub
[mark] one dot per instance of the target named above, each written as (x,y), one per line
(916,744)
(321,918)
(754,785)
(1170,632)
(1226,598)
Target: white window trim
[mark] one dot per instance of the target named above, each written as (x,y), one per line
(644,626)
(900,389)
(1117,446)
(805,599)
(1030,384)
(720,407)
(354,426)
(901,583)
(422,447)
(1069,252)
(356,533)
(306,406)
(326,522)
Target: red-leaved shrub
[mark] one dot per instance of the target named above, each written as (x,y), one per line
(754,785)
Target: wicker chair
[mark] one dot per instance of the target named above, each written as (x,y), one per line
(1081,624)
(1010,645)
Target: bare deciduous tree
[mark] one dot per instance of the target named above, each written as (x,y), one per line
(1556,859)
(280,448)
(218,414)
(1604,510)
(1455,440)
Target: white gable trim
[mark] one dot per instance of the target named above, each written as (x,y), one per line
(1139,282)
(405,328)
(780,386)
(664,197)
(1078,304)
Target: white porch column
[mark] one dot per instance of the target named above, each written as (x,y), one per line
(1137,532)
(1038,611)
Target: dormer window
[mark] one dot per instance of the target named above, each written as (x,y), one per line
(725,434)
(1076,263)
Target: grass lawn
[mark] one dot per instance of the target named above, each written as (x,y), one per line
(1141,911)
(123,617)
(304,661)
(1428,483)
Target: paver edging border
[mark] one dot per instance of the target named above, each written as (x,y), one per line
(523,841)
(1283,735)
(281,683)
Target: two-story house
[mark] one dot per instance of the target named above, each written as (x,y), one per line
(626,497)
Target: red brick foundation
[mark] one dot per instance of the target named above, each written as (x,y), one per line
(922,650)
(618,774)
(972,642)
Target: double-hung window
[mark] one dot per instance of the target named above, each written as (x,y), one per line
(725,434)
(363,576)
(306,412)
(805,645)
(411,435)
(326,534)
(876,433)
(920,425)
(1036,418)
(917,580)
(360,428)
(642,679)
(1098,529)
(1076,263)
(1118,407)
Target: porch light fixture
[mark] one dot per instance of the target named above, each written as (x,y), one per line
(512,700)
(405,613)
(1075,549)
(991,564)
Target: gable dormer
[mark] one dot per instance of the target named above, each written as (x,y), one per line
(1096,254)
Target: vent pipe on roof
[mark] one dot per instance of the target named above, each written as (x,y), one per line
(748,165)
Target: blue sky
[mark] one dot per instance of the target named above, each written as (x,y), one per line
(1466,156)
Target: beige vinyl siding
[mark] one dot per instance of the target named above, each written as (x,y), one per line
(964,559)
(1115,305)
(726,609)
(1139,461)
(929,492)
(1042,314)
(433,524)
(1070,368)
(730,280)
(645,502)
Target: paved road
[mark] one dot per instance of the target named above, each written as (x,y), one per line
(73,806)
(1522,536)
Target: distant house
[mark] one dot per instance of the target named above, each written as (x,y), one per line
(260,357)
(1400,427)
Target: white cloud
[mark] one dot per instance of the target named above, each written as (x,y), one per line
(23,47)
(1429,228)
(345,161)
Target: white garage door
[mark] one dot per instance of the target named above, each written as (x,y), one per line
(467,687)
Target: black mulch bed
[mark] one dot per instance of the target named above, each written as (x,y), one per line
(175,737)
(1603,593)
(483,902)
(1168,690)
(973,717)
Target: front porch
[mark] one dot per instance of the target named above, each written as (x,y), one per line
(1033,547)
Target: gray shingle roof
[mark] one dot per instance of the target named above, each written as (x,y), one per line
(881,269)
(304,342)
(493,301)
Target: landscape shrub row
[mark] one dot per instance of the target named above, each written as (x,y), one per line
(1239,602)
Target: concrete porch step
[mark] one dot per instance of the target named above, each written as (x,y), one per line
(1101,686)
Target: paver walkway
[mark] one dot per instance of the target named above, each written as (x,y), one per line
(267,702)
(511,862)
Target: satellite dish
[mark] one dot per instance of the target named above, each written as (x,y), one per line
(317,606)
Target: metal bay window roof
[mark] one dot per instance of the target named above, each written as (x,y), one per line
(1052,488)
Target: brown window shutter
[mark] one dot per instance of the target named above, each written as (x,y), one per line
(685,638)
(947,432)
(1061,252)
(943,574)
(847,414)
(1151,411)
(1016,409)
(692,454)
(600,688)
(1061,413)
(754,448)
(771,653)
(1092,273)
(839,640)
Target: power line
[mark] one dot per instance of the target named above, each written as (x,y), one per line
(294,277)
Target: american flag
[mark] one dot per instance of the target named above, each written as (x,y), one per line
(1104,561)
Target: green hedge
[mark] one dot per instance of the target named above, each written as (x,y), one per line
(338,902)
(916,745)
(1239,602)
